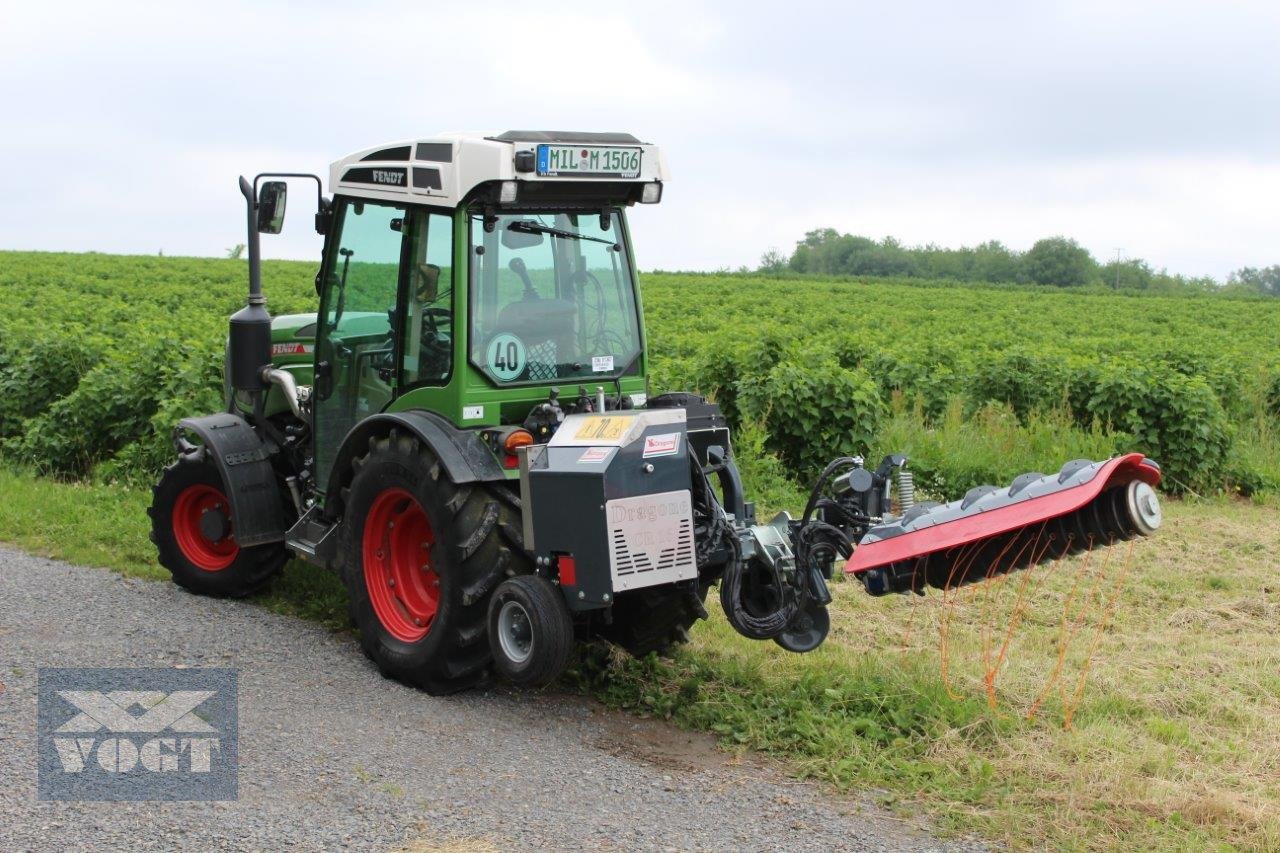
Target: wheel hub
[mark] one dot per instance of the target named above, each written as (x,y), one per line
(214,524)
(399,574)
(515,633)
(202,527)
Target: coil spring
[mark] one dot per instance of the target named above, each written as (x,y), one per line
(906,489)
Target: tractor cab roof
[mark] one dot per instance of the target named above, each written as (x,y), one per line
(517,168)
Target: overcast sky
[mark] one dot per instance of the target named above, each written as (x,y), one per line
(1149,127)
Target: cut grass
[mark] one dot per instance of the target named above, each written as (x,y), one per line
(1174,744)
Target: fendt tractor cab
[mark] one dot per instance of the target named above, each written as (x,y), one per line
(464,430)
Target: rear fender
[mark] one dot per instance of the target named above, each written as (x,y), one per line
(244,462)
(463,454)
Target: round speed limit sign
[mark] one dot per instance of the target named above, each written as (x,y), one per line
(506,357)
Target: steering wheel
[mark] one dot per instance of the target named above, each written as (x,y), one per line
(434,318)
(436,349)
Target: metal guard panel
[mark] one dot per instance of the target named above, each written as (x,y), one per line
(244,463)
(1026,502)
(651,540)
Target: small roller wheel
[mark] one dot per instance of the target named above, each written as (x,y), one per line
(530,631)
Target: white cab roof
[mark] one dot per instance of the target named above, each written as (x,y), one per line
(443,169)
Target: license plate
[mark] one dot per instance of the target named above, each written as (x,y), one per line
(588,161)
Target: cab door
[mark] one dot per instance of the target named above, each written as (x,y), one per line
(356,347)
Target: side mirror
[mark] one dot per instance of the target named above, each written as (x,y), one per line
(271,203)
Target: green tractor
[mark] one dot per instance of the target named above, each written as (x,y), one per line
(464,431)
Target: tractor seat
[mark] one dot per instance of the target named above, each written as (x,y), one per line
(537,320)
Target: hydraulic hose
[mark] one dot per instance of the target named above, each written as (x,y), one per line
(814,542)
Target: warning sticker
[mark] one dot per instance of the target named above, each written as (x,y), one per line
(608,428)
(594,454)
(602,363)
(666,444)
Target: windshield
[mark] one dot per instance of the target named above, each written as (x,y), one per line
(551,297)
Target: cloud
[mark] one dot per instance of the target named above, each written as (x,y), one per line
(1147,126)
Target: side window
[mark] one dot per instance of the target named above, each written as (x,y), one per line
(355,350)
(428,340)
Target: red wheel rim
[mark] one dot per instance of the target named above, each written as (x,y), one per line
(398,570)
(210,555)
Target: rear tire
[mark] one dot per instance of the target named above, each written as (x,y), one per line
(194,534)
(419,593)
(530,631)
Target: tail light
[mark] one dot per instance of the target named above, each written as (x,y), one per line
(515,440)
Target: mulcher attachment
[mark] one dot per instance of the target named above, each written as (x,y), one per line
(990,531)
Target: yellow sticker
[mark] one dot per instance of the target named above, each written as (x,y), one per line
(607,428)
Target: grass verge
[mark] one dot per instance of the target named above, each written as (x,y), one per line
(1173,744)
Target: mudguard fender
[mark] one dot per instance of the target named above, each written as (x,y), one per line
(464,455)
(244,462)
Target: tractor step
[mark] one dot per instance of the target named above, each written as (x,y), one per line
(313,538)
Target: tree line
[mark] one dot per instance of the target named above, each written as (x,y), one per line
(1056,261)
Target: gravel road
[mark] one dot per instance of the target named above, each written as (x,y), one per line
(334,756)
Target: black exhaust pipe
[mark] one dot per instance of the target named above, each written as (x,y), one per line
(250,342)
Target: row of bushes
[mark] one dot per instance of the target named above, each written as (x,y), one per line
(67,410)
(100,355)
(815,403)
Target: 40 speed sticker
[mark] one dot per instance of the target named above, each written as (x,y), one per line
(505,356)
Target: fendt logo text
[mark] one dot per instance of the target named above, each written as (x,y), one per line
(138,734)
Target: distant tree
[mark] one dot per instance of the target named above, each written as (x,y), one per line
(235,252)
(1133,274)
(993,261)
(1265,280)
(773,262)
(1053,260)
(1060,261)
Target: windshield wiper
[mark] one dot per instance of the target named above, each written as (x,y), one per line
(524,226)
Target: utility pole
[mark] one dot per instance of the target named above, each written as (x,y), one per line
(1116,286)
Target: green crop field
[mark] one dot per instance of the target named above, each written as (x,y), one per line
(98,354)
(1169,743)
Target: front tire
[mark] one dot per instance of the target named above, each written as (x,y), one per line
(420,556)
(194,533)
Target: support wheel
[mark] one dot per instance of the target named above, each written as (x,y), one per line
(420,556)
(530,631)
(194,533)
